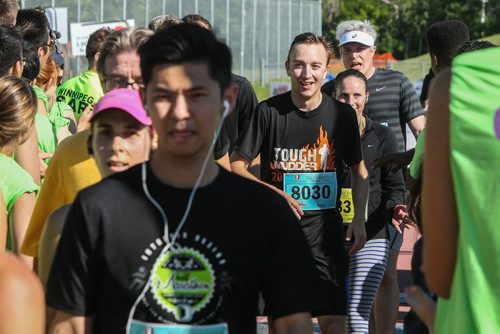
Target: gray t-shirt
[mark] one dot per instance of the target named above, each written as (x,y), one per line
(392,102)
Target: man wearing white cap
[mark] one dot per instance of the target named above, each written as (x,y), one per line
(393,103)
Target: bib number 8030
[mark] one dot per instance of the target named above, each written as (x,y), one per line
(314,192)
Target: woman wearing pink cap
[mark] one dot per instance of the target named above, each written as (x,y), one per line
(121,137)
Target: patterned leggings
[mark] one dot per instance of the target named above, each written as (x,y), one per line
(366,269)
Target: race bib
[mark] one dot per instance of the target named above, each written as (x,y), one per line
(140,327)
(315,191)
(347,205)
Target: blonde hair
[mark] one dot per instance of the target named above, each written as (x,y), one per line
(17,109)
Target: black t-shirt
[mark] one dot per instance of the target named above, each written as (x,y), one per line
(230,248)
(293,141)
(387,187)
(393,101)
(239,119)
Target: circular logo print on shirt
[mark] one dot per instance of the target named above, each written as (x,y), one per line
(497,123)
(183,283)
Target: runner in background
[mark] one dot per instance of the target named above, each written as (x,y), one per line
(11,64)
(393,103)
(72,168)
(290,132)
(385,204)
(182,265)
(17,113)
(9,12)
(240,117)
(85,90)
(163,21)
(460,195)
(120,137)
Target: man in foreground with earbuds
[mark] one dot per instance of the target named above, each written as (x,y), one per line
(148,250)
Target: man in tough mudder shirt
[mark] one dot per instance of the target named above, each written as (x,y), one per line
(302,137)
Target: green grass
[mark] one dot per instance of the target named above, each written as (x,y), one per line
(417,67)
(261,92)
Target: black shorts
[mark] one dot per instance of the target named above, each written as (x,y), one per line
(326,240)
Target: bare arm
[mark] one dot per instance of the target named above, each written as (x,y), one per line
(21,298)
(224,162)
(27,155)
(65,323)
(240,165)
(3,220)
(417,125)
(298,323)
(359,197)
(19,220)
(439,207)
(49,241)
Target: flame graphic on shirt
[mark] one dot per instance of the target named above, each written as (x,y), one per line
(318,156)
(322,142)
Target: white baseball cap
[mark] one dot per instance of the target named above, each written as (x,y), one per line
(357,37)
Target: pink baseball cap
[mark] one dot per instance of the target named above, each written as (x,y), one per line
(124,99)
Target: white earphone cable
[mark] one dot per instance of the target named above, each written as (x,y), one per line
(168,243)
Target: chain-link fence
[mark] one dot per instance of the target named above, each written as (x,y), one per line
(259,32)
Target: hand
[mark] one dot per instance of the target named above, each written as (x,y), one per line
(358,231)
(398,160)
(294,204)
(43,166)
(400,218)
(84,120)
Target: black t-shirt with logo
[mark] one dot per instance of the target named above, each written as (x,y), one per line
(293,141)
(231,248)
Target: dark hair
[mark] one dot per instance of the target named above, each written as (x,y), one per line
(95,42)
(197,19)
(32,63)
(10,48)
(9,11)
(187,43)
(349,73)
(445,38)
(474,46)
(34,26)
(124,40)
(312,38)
(163,22)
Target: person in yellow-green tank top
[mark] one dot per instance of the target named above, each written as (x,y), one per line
(461,195)
(85,90)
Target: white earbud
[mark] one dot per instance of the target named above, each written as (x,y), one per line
(227,107)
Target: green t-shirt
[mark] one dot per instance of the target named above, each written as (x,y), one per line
(474,303)
(14,182)
(80,91)
(57,118)
(40,95)
(47,141)
(417,162)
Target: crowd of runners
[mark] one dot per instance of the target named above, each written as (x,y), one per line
(153,193)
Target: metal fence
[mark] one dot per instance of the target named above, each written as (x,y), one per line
(257,31)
